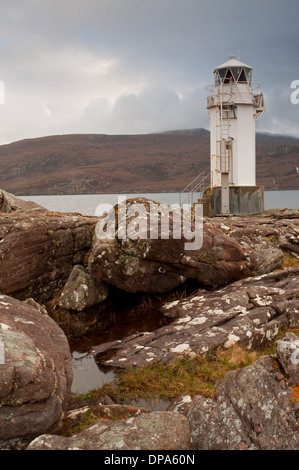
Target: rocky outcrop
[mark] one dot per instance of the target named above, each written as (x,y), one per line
(159,430)
(248,312)
(35,372)
(256,408)
(10,203)
(39,249)
(233,248)
(157,261)
(81,291)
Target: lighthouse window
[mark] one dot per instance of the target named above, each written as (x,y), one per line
(221,73)
(228,76)
(235,71)
(217,78)
(248,73)
(242,76)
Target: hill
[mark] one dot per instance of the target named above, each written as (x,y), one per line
(100,163)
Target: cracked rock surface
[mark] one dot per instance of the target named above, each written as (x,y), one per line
(38,251)
(160,430)
(248,312)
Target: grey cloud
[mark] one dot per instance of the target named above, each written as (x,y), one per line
(138,66)
(153,110)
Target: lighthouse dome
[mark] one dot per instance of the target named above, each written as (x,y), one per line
(233,71)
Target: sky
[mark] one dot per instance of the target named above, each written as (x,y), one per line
(139,66)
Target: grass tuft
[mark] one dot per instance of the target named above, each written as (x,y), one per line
(199,375)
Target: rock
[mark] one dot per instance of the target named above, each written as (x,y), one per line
(248,312)
(263,236)
(161,430)
(81,291)
(287,351)
(38,251)
(153,264)
(10,203)
(35,372)
(254,409)
(181,404)
(105,408)
(264,257)
(36,305)
(289,241)
(90,402)
(118,411)
(103,411)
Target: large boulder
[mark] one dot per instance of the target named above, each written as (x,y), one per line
(35,372)
(256,408)
(160,430)
(158,259)
(39,249)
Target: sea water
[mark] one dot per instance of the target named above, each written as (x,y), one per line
(86,204)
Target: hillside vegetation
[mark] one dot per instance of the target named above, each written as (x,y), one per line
(99,163)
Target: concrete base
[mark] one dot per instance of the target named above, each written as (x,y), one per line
(243,200)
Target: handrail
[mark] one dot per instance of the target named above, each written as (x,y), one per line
(195,186)
(190,184)
(254,90)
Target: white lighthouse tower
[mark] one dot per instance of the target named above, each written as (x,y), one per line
(234,106)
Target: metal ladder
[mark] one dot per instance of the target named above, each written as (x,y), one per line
(224,121)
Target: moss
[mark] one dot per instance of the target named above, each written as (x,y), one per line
(71,428)
(137,248)
(130,264)
(273,239)
(289,261)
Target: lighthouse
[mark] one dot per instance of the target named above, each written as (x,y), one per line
(234,104)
